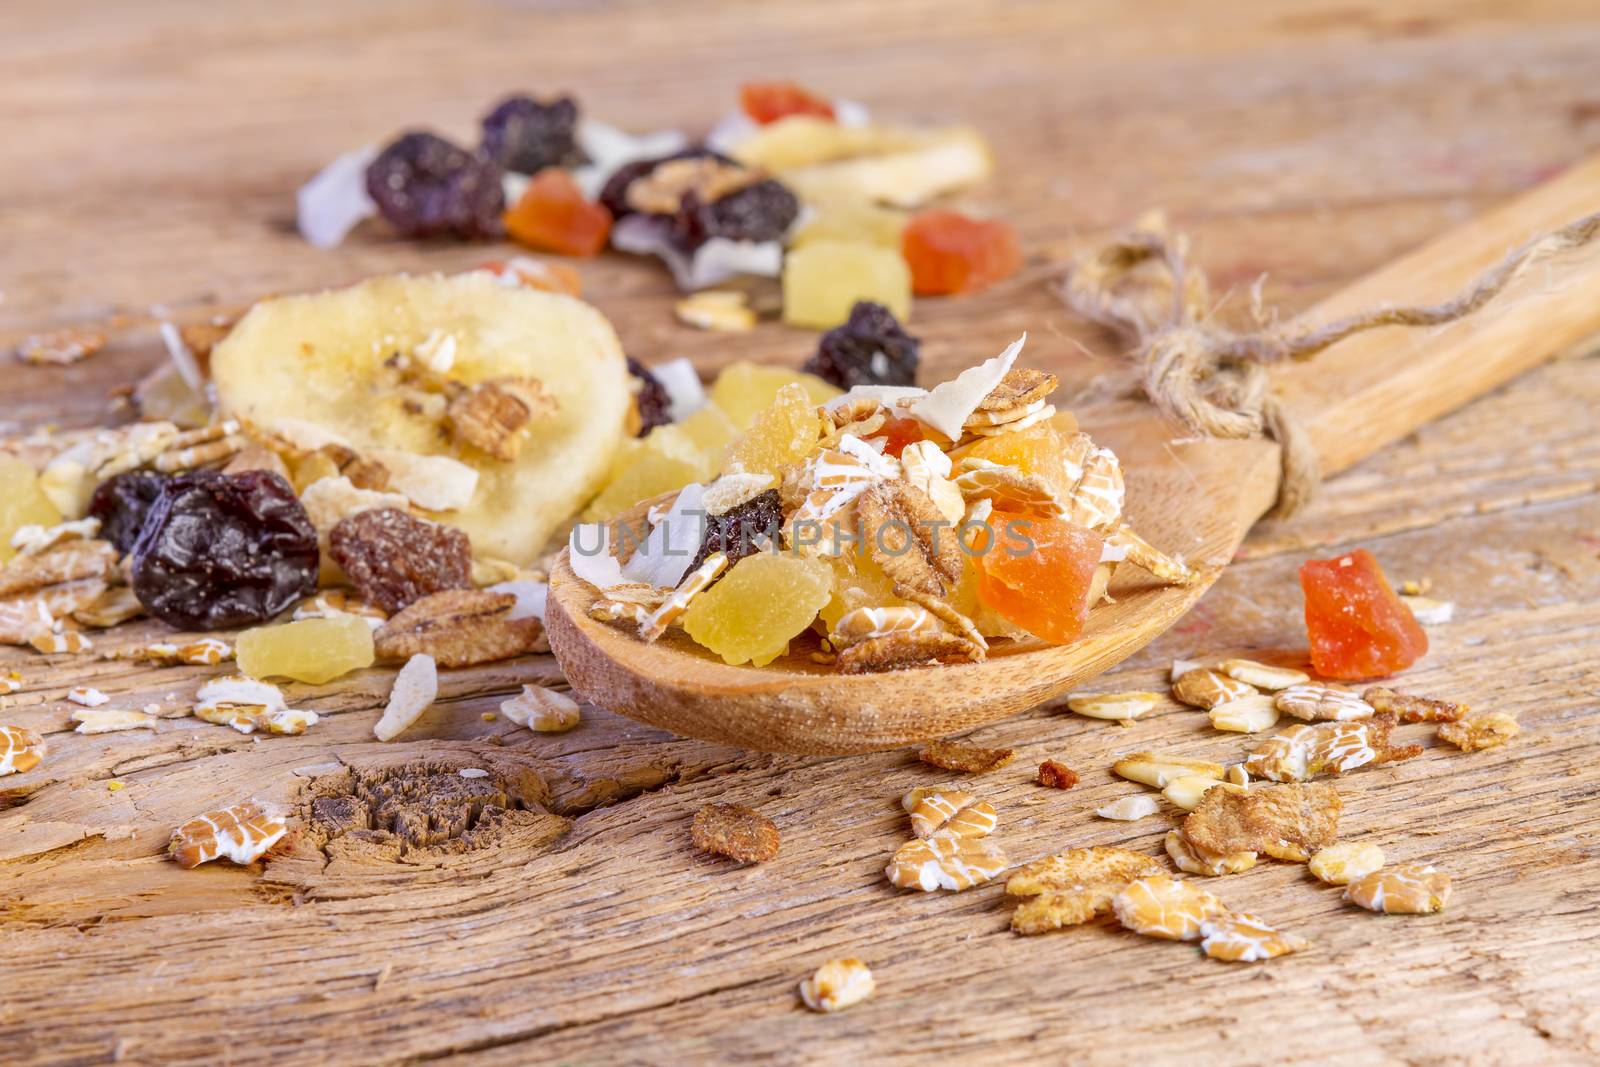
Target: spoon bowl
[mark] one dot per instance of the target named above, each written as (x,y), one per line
(1194,498)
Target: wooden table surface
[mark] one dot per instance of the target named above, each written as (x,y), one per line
(150,154)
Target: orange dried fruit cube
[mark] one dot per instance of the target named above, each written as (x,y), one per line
(1039,451)
(897,433)
(553,216)
(1036,572)
(770,101)
(949,252)
(1358,627)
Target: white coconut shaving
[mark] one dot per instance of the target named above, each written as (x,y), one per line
(610,149)
(713,262)
(531,597)
(951,403)
(183,358)
(589,555)
(671,545)
(685,392)
(416,687)
(334,202)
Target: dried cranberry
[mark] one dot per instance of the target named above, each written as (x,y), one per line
(760,212)
(654,403)
(526,136)
(394,559)
(427,187)
(121,504)
(741,531)
(870,348)
(223,550)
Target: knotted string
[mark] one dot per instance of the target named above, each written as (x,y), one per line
(1213,380)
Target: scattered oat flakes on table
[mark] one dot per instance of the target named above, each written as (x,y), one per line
(1409,708)
(542,710)
(1406,889)
(1201,687)
(1287,822)
(968,759)
(1478,732)
(1129,808)
(1345,862)
(1164,907)
(1113,706)
(735,831)
(21,750)
(1074,887)
(242,833)
(837,985)
(948,811)
(1239,937)
(945,861)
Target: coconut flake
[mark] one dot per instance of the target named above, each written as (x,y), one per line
(671,545)
(530,598)
(237,689)
(595,565)
(513,185)
(850,112)
(717,260)
(951,403)
(415,689)
(331,204)
(183,358)
(685,393)
(731,131)
(610,148)
(434,483)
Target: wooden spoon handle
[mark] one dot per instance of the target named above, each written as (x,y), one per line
(1376,387)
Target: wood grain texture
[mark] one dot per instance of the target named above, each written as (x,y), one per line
(159,145)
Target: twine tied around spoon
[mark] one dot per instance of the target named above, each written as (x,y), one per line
(1213,380)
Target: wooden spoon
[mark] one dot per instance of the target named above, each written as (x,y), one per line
(1195,497)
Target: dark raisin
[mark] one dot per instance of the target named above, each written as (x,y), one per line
(760,212)
(224,550)
(870,348)
(614,195)
(526,136)
(427,187)
(651,396)
(741,531)
(121,504)
(394,559)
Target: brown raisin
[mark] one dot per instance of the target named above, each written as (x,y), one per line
(394,559)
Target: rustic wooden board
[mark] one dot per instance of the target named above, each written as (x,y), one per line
(158,148)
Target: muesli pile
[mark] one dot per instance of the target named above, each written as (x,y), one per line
(790,185)
(906,526)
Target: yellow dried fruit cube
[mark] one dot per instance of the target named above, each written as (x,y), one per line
(645,467)
(744,390)
(823,281)
(781,436)
(22,502)
(711,431)
(852,222)
(312,650)
(762,603)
